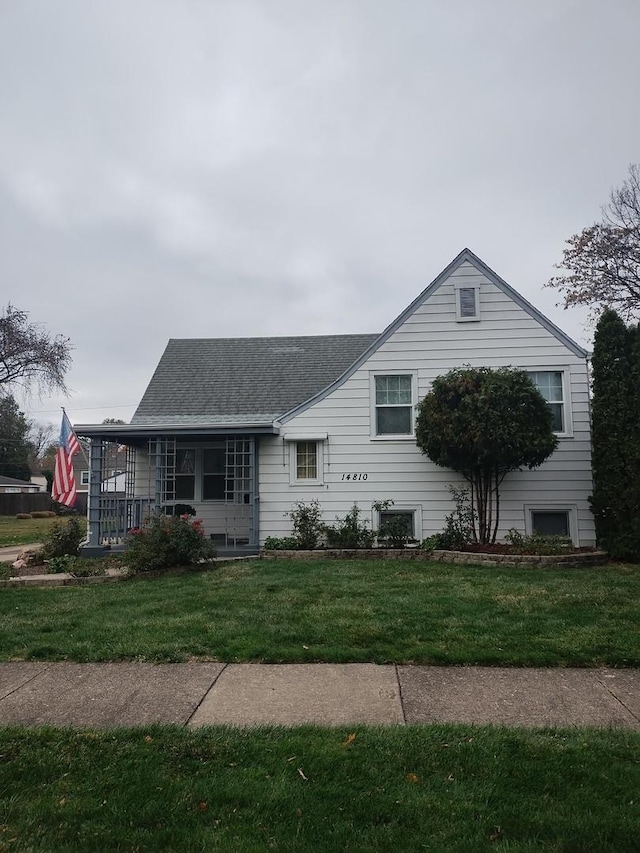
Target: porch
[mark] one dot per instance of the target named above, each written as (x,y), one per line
(208,475)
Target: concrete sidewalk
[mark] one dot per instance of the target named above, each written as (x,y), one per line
(199,694)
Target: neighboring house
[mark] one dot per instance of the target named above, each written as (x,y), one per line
(241,428)
(80,462)
(11,486)
(113,467)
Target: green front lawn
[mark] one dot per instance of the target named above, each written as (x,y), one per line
(337,611)
(438,788)
(23,531)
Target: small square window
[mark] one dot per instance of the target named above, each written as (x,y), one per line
(550,523)
(84,478)
(399,517)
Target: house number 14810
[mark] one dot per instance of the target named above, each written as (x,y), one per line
(355,476)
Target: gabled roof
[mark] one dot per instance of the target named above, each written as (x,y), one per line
(237,384)
(465,256)
(243,380)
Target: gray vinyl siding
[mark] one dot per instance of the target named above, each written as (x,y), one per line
(431,342)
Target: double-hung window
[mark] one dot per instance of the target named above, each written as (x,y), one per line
(550,383)
(393,404)
(306,459)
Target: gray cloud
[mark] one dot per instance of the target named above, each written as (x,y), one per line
(175,169)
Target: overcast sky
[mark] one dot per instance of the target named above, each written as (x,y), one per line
(200,168)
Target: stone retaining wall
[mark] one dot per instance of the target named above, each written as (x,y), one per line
(590,558)
(349,553)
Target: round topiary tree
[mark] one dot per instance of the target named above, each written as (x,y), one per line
(484,423)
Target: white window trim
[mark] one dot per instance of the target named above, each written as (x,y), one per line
(293,467)
(83,481)
(550,506)
(372,405)
(399,506)
(565,370)
(476,290)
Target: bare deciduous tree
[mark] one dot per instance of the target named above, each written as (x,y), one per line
(30,355)
(603,261)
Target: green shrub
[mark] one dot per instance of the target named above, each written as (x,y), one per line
(308,529)
(64,538)
(537,544)
(22,516)
(166,541)
(43,513)
(79,567)
(277,543)
(349,532)
(59,565)
(458,525)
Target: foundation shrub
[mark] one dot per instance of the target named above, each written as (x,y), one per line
(64,538)
(23,516)
(349,532)
(167,541)
(281,543)
(79,567)
(308,529)
(536,544)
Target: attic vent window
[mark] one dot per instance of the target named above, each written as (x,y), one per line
(467,303)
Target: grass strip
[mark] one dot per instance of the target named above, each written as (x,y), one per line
(23,531)
(437,788)
(337,611)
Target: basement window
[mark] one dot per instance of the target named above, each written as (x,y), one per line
(551,523)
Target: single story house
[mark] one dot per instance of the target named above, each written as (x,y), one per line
(12,486)
(241,428)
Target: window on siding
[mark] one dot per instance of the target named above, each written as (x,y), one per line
(185,482)
(306,460)
(215,484)
(394,405)
(550,385)
(550,523)
(84,478)
(406,517)
(467,303)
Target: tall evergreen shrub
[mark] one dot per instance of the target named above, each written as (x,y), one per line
(615,424)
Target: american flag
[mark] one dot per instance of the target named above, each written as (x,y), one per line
(64,483)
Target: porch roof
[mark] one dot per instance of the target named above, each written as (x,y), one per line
(124,433)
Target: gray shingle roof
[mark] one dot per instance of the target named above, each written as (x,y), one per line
(11,481)
(229,380)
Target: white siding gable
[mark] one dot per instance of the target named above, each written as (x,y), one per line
(429,339)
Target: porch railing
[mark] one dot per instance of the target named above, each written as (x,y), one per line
(118,515)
